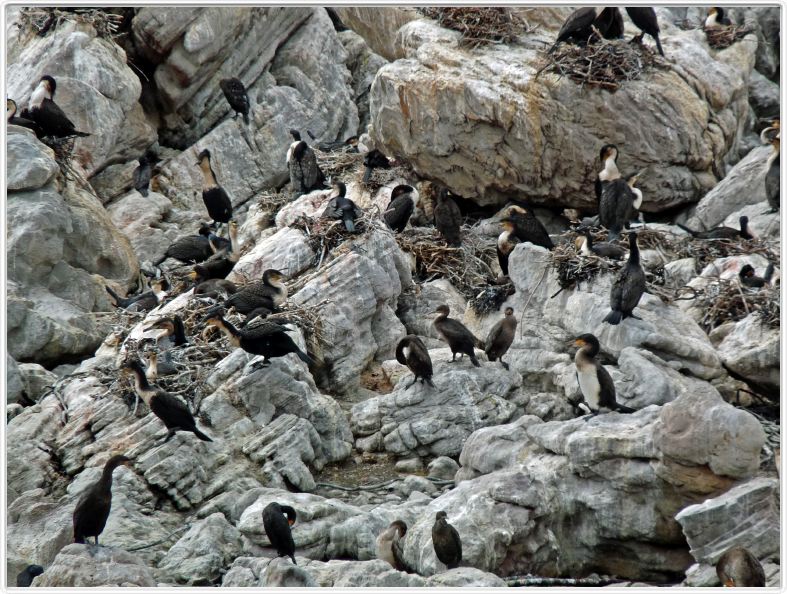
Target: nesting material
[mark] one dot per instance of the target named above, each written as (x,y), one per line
(272,200)
(479,26)
(325,235)
(724,36)
(573,268)
(42,20)
(336,163)
(726,300)
(490,298)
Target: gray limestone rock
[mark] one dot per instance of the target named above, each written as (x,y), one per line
(751,350)
(79,566)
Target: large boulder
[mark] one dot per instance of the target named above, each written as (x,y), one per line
(751,351)
(79,566)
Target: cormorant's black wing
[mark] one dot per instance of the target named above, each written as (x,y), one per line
(579,20)
(141,179)
(171,411)
(632,286)
(262,328)
(606,397)
(398,212)
(235,93)
(772,179)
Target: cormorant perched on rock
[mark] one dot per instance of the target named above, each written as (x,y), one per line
(412,352)
(500,337)
(47,114)
(748,278)
(220,264)
(628,287)
(620,201)
(389,545)
(270,292)
(374,159)
(446,541)
(342,208)
(143,172)
(170,409)
(528,228)
(260,337)
(595,383)
(717,18)
(11,118)
(448,218)
(609,171)
(738,568)
(144,301)
(506,242)
(191,248)
(305,173)
(578,27)
(156,368)
(586,246)
(772,175)
(644,17)
(26,576)
(213,195)
(722,232)
(404,199)
(173,329)
(236,96)
(458,337)
(92,511)
(277,528)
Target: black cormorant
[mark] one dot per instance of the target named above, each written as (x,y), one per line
(587,246)
(342,208)
(142,174)
(609,171)
(26,576)
(717,18)
(47,114)
(772,175)
(610,23)
(92,511)
(305,173)
(620,202)
(748,278)
(458,337)
(214,288)
(578,27)
(644,17)
(14,120)
(174,330)
(277,519)
(403,201)
(412,352)
(528,228)
(191,248)
(270,292)
(628,287)
(389,545)
(144,301)
(236,96)
(723,232)
(372,160)
(595,383)
(448,218)
(220,264)
(738,568)
(506,242)
(446,541)
(500,337)
(213,195)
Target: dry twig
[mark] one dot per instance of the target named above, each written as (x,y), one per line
(479,25)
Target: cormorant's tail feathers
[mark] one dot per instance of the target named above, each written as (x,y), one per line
(769,272)
(118,299)
(144,192)
(624,409)
(474,360)
(305,358)
(367,175)
(614,317)
(79,539)
(246,117)
(82,134)
(428,380)
(658,45)
(349,224)
(201,435)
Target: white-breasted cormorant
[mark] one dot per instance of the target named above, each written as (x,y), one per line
(47,114)
(446,541)
(92,511)
(270,292)
(216,200)
(171,410)
(144,301)
(372,160)
(717,18)
(26,576)
(412,352)
(772,169)
(305,173)
(277,519)
(644,17)
(506,242)
(142,174)
(236,96)
(190,248)
(595,383)
(628,287)
(448,218)
(456,334)
(609,170)
(342,208)
(722,232)
(14,120)
(500,337)
(620,202)
(403,201)
(585,244)
(748,278)
(389,545)
(528,228)
(738,568)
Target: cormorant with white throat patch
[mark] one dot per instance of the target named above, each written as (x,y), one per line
(403,201)
(216,200)
(456,334)
(305,173)
(448,218)
(92,511)
(277,519)
(595,383)
(585,244)
(411,351)
(389,545)
(342,208)
(236,96)
(506,242)
(14,120)
(270,292)
(717,18)
(528,228)
(620,202)
(644,17)
(609,172)
(144,301)
(500,337)
(628,287)
(47,114)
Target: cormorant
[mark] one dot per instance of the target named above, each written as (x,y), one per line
(220,264)
(595,383)
(47,114)
(144,301)
(329,147)
(772,175)
(620,201)
(374,159)
(26,576)
(404,199)
(446,542)
(277,528)
(389,545)
(412,352)
(586,246)
(609,172)
(342,208)
(236,96)
(214,288)
(260,337)
(92,511)
(738,568)
(261,312)
(11,118)
(644,17)
(506,242)
(191,248)
(143,172)
(447,218)
(173,329)
(458,337)
(610,23)
(578,27)
(270,292)
(213,195)
(170,409)
(716,18)
(723,232)
(305,173)
(156,368)
(528,228)
(628,287)
(748,278)
(500,337)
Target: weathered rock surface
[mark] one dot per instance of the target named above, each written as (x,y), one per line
(751,350)
(14,384)
(378,26)
(78,565)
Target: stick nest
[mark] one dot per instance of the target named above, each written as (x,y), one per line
(726,300)
(335,163)
(42,20)
(573,268)
(724,36)
(479,26)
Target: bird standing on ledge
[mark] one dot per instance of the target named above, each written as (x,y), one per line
(92,511)
(216,200)
(47,114)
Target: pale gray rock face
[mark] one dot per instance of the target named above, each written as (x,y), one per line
(751,350)
(138,217)
(287,250)
(31,164)
(417,310)
(443,468)
(36,380)
(114,181)
(78,565)
(363,63)
(378,26)
(763,96)
(14,384)
(265,572)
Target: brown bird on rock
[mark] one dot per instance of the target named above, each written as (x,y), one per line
(456,334)
(412,352)
(500,337)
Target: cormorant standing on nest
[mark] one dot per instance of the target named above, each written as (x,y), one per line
(506,242)
(447,218)
(628,287)
(171,410)
(644,17)
(342,208)
(173,329)
(236,96)
(620,201)
(772,175)
(26,576)
(412,352)
(389,545)
(404,199)
(528,228)
(143,172)
(213,195)
(609,172)
(277,528)
(717,18)
(748,278)
(595,383)
(220,264)
(144,301)
(738,568)
(446,541)
(458,337)
(374,159)
(500,338)
(305,173)
(92,511)
(47,114)
(722,232)
(270,292)
(584,243)
(610,23)
(11,118)
(191,248)
(578,27)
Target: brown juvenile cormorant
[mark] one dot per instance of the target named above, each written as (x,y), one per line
(277,519)
(305,173)
(174,330)
(738,568)
(412,352)
(141,175)
(609,172)
(528,228)
(620,201)
(170,409)
(47,114)
(748,278)
(26,576)
(342,208)
(156,368)
(446,541)
(448,218)
(772,175)
(723,232)
(216,200)
(458,337)
(585,244)
(389,545)
(595,383)
(644,17)
(270,292)
(144,301)
(14,120)
(403,201)
(717,18)
(236,96)
(628,287)
(372,160)
(506,242)
(190,248)
(500,337)
(92,511)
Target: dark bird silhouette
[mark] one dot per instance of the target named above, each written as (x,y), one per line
(748,278)
(585,244)
(595,383)
(350,143)
(403,201)
(506,242)
(142,174)
(717,18)
(628,287)
(448,218)
(609,171)
(446,542)
(277,528)
(578,27)
(412,352)
(216,200)
(772,175)
(305,173)
(144,301)
(610,23)
(174,331)
(47,114)
(389,544)
(26,576)
(191,248)
(14,120)
(342,208)
(92,511)
(644,17)
(723,232)
(456,334)
(528,228)
(500,338)
(269,293)
(214,288)
(374,159)
(236,96)
(221,263)
(620,202)
(738,568)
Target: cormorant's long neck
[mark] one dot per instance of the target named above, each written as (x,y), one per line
(180,333)
(38,96)
(106,478)
(633,252)
(231,331)
(208,177)
(610,170)
(141,385)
